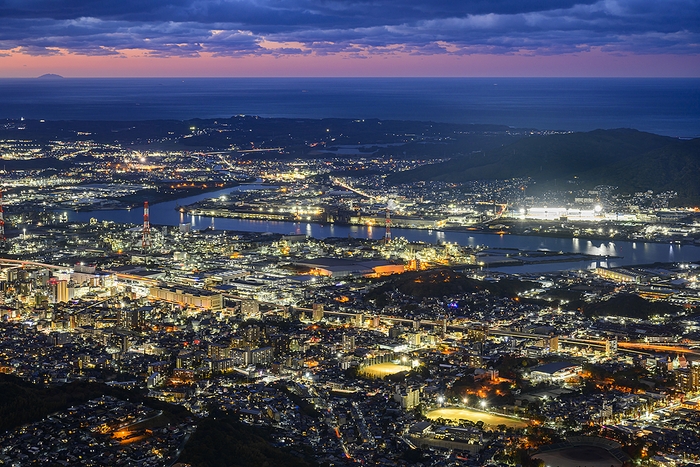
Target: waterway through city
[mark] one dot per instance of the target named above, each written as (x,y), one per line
(626,253)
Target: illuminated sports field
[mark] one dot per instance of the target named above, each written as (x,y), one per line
(380,370)
(454,413)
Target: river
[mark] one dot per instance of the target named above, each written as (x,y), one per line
(630,253)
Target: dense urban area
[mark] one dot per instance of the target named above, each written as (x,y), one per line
(184,343)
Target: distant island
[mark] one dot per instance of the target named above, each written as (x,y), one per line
(50,76)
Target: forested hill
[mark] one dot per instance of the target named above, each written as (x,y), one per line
(629,159)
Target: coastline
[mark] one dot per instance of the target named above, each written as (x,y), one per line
(243,215)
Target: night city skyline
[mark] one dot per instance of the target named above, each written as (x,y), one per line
(333,233)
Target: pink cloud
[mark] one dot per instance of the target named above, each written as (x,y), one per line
(391,63)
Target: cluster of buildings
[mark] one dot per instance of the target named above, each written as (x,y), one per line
(331,356)
(341,185)
(104,431)
(360,352)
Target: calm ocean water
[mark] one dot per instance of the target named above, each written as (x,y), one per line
(663,106)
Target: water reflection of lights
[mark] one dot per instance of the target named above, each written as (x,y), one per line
(605,249)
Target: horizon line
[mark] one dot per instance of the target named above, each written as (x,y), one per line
(59,77)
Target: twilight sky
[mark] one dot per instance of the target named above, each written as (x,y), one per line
(350,37)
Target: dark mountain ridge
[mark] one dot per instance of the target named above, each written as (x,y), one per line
(629,159)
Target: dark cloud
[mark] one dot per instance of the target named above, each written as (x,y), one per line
(38,50)
(248,27)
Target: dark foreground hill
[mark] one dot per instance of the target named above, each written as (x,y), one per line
(631,306)
(629,159)
(443,281)
(223,441)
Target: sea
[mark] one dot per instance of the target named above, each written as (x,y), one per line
(665,106)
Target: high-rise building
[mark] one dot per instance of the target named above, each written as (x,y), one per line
(408,397)
(132,318)
(62,292)
(261,356)
(611,347)
(683,379)
(250,309)
(218,351)
(695,377)
(280,345)
(348,343)
(317,312)
(58,290)
(414,338)
(253,335)
(554,344)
